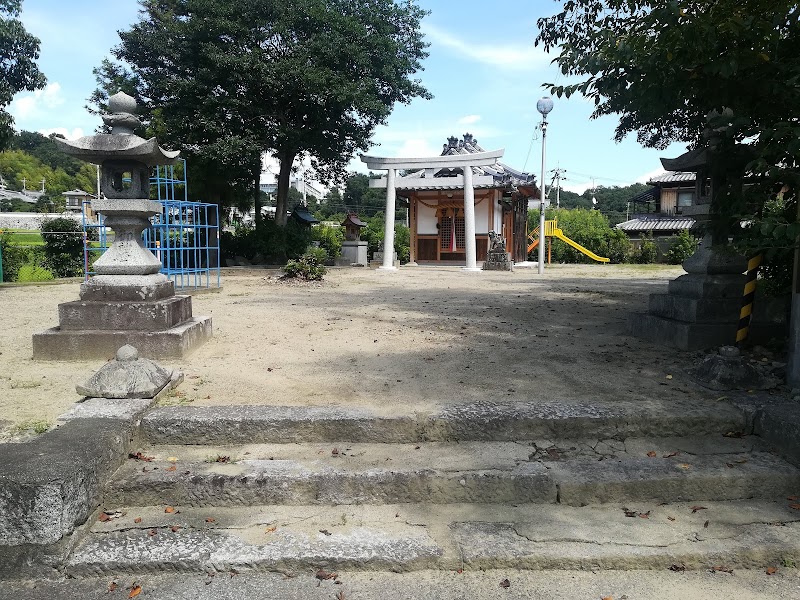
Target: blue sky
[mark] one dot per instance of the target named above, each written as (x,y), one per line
(483,70)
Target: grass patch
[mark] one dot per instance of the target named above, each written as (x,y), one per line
(25,385)
(173,398)
(37,426)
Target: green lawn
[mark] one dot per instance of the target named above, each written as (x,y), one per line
(24,237)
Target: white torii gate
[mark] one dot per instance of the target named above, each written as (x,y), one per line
(467,180)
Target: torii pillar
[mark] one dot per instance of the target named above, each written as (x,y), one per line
(463,161)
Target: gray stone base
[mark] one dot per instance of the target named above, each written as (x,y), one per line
(178,341)
(157,315)
(681,334)
(703,310)
(127,288)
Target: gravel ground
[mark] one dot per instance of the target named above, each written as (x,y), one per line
(394,341)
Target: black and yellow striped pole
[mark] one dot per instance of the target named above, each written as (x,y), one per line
(747,300)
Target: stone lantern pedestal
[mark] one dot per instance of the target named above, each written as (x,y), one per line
(128,301)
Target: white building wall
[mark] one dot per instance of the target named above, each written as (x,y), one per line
(498,217)
(426,220)
(482,218)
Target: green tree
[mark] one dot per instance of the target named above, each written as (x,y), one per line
(718,74)
(681,247)
(63,246)
(19,51)
(308,77)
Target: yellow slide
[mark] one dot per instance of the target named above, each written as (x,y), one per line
(551,229)
(560,235)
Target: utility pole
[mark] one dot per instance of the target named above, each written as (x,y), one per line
(557,173)
(24,183)
(43,182)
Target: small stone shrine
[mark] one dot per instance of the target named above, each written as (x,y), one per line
(354,250)
(128,301)
(497,258)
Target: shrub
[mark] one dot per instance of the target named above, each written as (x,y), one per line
(308,266)
(647,252)
(402,242)
(298,238)
(620,249)
(30,272)
(13,257)
(63,246)
(329,238)
(681,247)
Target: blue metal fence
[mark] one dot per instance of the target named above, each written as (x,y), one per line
(184,237)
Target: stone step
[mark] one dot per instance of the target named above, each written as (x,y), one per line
(574,473)
(483,421)
(408,537)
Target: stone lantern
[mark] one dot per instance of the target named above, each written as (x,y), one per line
(354,251)
(128,301)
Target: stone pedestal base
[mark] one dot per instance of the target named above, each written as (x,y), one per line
(86,344)
(498,261)
(698,312)
(354,252)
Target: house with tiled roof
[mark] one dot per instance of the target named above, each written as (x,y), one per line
(436,205)
(664,209)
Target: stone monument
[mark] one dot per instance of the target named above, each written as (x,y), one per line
(128,301)
(354,249)
(497,258)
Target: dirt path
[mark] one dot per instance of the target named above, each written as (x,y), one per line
(395,341)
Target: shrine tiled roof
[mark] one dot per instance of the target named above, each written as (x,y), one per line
(657,223)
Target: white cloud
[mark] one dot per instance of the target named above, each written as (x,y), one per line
(70,135)
(417,147)
(578,188)
(520,56)
(30,105)
(469,119)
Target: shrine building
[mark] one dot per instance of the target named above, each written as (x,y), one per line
(455,200)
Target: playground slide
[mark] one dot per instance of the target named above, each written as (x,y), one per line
(579,248)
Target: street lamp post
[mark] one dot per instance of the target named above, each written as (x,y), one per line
(544,106)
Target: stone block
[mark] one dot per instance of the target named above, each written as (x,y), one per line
(698,285)
(178,341)
(780,426)
(156,315)
(683,308)
(680,334)
(127,288)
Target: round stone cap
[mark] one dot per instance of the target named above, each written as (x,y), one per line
(121,103)
(127,353)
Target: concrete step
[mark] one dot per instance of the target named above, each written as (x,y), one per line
(754,584)
(483,421)
(407,537)
(575,473)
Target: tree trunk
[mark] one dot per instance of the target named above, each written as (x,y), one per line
(257,197)
(286,160)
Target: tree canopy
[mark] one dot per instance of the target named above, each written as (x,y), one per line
(19,51)
(311,77)
(723,75)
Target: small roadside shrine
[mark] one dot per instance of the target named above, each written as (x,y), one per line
(454,201)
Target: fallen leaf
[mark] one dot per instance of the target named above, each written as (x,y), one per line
(629,513)
(172,468)
(152,532)
(733,434)
(324,575)
(795,506)
(140,456)
(678,568)
(696,508)
(335,452)
(651,454)
(174,529)
(705,525)
(223,459)
(669,376)
(135,591)
(644,515)
(112,586)
(169,510)
(771,570)
(104,517)
(685,466)
(671,518)
(793,498)
(172,459)
(671,454)
(609,597)
(137,520)
(325,532)
(721,569)
(210,520)
(270,529)
(505,583)
(340,595)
